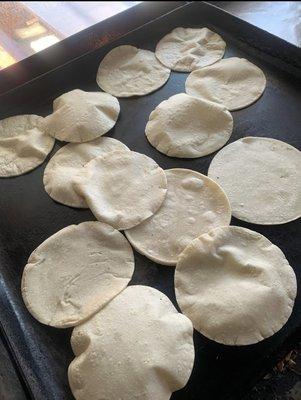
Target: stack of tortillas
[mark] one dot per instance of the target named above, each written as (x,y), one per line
(235,286)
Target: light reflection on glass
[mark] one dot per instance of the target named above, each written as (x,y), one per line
(43,42)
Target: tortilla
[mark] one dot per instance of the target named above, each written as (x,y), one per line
(23,144)
(128,71)
(68,162)
(194,204)
(262,178)
(80,116)
(233,82)
(122,188)
(75,272)
(186,127)
(235,286)
(186,49)
(137,347)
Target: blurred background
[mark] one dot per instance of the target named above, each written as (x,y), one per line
(27,27)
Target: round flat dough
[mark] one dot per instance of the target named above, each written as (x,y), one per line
(80,116)
(122,188)
(68,162)
(186,127)
(262,178)
(194,204)
(127,71)
(23,144)
(186,49)
(75,272)
(137,347)
(235,286)
(233,82)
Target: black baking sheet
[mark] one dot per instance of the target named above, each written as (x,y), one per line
(28,215)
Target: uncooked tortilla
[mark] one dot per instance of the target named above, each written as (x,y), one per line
(186,127)
(80,116)
(186,49)
(233,82)
(122,188)
(127,71)
(194,204)
(68,162)
(137,347)
(75,272)
(262,178)
(23,144)
(235,286)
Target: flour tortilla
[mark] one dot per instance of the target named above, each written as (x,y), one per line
(122,188)
(235,286)
(23,144)
(194,204)
(233,82)
(262,178)
(186,49)
(187,127)
(75,272)
(127,71)
(68,162)
(80,116)
(137,347)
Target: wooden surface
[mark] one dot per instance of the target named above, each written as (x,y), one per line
(10,386)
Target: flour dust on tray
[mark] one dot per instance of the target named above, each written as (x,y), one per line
(122,188)
(193,205)
(137,347)
(67,164)
(80,116)
(128,71)
(262,178)
(186,127)
(186,49)
(23,144)
(75,272)
(235,285)
(233,82)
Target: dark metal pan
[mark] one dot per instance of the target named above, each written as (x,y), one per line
(28,215)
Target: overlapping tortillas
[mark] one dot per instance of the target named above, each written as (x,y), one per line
(262,178)
(137,347)
(128,71)
(80,116)
(233,82)
(235,286)
(186,49)
(187,127)
(68,162)
(122,188)
(23,144)
(75,272)
(194,204)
